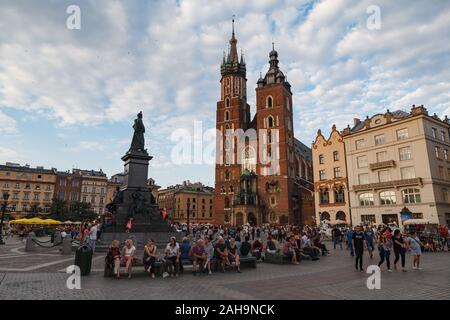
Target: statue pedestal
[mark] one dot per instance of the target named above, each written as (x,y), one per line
(135,199)
(136,169)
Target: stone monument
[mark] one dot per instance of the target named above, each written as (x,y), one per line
(133,201)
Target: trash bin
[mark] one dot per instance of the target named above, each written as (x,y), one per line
(83,259)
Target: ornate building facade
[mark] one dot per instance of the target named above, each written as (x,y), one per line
(330,178)
(263,173)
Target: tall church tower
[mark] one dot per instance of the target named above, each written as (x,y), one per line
(275,166)
(233,113)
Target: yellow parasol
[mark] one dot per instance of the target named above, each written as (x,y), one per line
(51,222)
(19,221)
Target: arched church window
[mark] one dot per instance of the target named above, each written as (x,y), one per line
(269,102)
(227,103)
(270,121)
(227,115)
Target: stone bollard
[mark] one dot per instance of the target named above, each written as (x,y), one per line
(67,245)
(57,239)
(30,245)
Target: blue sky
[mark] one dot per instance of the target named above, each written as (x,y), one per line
(68,97)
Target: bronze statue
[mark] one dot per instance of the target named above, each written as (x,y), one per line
(138,142)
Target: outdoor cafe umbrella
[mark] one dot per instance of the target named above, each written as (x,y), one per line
(19,221)
(34,221)
(51,222)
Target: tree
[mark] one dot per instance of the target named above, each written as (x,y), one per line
(80,211)
(34,211)
(77,211)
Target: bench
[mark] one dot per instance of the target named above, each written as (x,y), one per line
(277,258)
(248,261)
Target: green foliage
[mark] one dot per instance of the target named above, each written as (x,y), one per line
(77,211)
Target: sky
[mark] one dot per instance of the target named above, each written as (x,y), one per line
(68,97)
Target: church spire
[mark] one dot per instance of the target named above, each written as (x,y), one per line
(232,64)
(233,48)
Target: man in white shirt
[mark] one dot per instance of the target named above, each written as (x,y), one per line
(93,236)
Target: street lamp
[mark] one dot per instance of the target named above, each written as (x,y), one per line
(188,213)
(5,203)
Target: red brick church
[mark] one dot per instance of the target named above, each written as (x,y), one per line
(263,173)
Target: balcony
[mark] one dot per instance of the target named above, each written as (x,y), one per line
(382,165)
(389,184)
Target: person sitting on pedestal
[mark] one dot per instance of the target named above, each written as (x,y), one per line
(198,256)
(173,257)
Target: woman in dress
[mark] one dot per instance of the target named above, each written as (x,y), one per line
(129,251)
(414,246)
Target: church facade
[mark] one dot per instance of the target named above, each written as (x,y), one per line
(263,173)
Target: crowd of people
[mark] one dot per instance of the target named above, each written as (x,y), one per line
(223,246)
(386,240)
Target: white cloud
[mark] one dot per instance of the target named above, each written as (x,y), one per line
(163,57)
(7,124)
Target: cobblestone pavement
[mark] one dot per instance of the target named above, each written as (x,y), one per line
(41,275)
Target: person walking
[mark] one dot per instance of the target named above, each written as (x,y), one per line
(399,248)
(384,248)
(414,245)
(349,235)
(336,234)
(93,236)
(358,244)
(369,235)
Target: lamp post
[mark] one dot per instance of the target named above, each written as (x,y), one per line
(188,214)
(5,203)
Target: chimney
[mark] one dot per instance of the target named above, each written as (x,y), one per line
(356,121)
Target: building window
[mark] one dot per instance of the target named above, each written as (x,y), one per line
(102,190)
(27,186)
(408,173)
(368,219)
(405,153)
(26,196)
(94,189)
(36,197)
(62,182)
(6,185)
(360,144)
(84,199)
(411,195)
(17,185)
(38,187)
(384,176)
(324,196)
(74,196)
(445,195)
(227,203)
(381,156)
(227,115)
(100,210)
(101,200)
(269,102)
(322,175)
(380,139)
(337,172)
(75,183)
(388,197)
(441,173)
(362,162)
(336,156)
(339,196)
(366,199)
(47,197)
(443,136)
(16,196)
(48,187)
(402,134)
(227,103)
(270,121)
(321,159)
(227,175)
(434,133)
(93,199)
(445,154)
(436,152)
(61,195)
(363,178)
(85,189)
